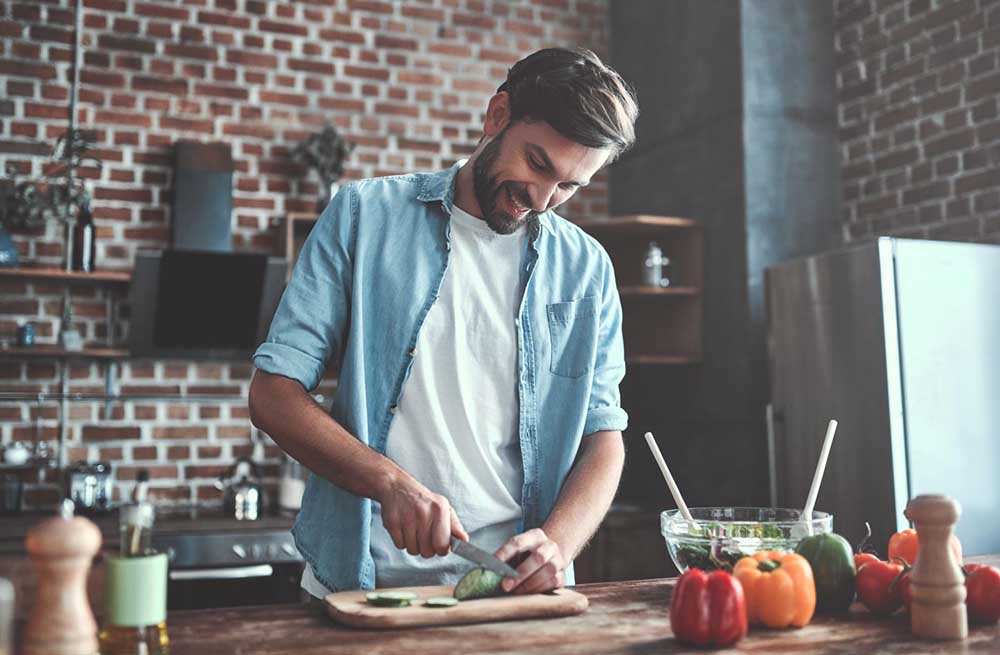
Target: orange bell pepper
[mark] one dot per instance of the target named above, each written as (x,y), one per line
(779,588)
(905,544)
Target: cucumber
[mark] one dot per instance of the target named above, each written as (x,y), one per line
(391,598)
(443,601)
(479,583)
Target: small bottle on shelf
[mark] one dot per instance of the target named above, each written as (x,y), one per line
(655,272)
(84,249)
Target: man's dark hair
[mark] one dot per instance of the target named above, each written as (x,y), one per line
(572,90)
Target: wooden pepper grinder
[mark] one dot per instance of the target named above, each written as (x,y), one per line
(937,586)
(61,621)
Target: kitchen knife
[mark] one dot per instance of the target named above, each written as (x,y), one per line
(479,556)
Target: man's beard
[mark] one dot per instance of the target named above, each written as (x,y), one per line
(489,191)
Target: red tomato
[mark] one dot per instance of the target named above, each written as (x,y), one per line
(876,589)
(905,544)
(983,598)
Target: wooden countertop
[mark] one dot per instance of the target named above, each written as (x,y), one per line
(624,617)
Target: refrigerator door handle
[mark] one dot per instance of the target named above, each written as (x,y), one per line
(772,465)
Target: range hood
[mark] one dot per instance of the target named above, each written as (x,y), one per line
(199,299)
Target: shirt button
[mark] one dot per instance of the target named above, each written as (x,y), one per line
(412,352)
(393,409)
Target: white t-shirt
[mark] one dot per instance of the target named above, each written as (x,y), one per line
(456,426)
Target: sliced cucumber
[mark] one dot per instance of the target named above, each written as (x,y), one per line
(391,598)
(398,595)
(443,601)
(479,583)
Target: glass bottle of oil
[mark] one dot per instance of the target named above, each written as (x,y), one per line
(135,585)
(132,640)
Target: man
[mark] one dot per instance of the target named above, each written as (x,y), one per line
(478,343)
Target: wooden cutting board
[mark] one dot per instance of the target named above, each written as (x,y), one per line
(352,608)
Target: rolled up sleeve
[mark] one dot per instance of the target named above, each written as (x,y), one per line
(309,325)
(604,410)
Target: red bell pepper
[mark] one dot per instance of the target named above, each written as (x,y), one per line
(708,609)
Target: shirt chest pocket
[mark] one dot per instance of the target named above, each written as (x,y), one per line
(573,330)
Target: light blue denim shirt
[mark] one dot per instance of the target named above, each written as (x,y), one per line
(364,281)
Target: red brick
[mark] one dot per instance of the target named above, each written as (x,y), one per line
(387,109)
(282,28)
(186,124)
(174,86)
(108,433)
(158,472)
(233,431)
(371,6)
(144,453)
(391,42)
(344,36)
(178,452)
(111,42)
(228,20)
(950,143)
(423,13)
(923,193)
(366,73)
(312,66)
(180,432)
(191,51)
(219,91)
(209,452)
(976,181)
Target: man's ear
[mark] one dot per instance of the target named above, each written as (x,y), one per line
(497,114)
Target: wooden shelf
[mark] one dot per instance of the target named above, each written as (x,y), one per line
(663,359)
(661,325)
(50,351)
(59,275)
(635,226)
(643,291)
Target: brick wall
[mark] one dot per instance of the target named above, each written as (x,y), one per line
(407,82)
(918,83)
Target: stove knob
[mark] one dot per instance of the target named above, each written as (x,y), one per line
(272,550)
(256,551)
(239,551)
(288,549)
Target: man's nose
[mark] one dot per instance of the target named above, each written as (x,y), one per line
(541,196)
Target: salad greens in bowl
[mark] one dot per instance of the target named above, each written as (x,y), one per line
(719,536)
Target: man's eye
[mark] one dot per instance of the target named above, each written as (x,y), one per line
(535,165)
(567,186)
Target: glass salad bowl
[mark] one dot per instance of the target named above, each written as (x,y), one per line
(719,536)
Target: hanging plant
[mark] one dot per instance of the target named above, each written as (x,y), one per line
(325,152)
(30,203)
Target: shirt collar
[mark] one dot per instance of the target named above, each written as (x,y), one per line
(440,187)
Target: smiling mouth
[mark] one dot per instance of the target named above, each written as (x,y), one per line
(518,209)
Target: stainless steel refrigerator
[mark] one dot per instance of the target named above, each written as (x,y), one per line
(899,340)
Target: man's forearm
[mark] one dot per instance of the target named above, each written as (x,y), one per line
(587,493)
(281,407)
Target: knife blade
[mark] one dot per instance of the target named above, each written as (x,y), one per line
(484,559)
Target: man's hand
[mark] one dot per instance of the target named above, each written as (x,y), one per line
(542,568)
(419,521)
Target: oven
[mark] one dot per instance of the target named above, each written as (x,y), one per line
(228,563)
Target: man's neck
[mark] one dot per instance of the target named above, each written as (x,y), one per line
(465,194)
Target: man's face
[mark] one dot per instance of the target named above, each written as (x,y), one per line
(528,168)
